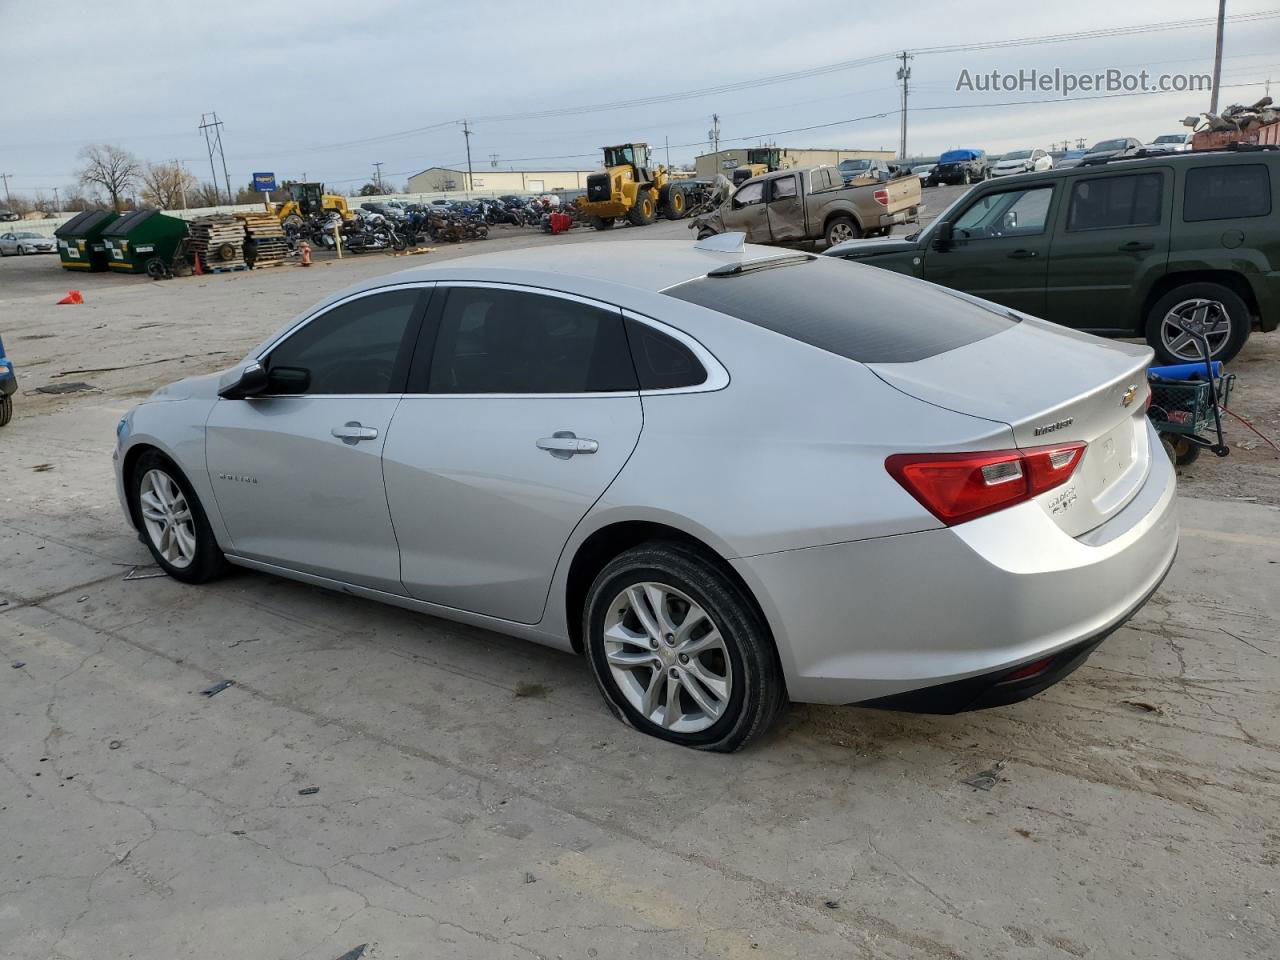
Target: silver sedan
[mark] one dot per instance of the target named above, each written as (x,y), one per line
(23,243)
(729,476)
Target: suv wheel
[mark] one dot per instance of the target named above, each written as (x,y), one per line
(678,652)
(173,523)
(1210,308)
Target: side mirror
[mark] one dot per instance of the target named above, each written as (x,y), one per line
(252,380)
(288,380)
(943,236)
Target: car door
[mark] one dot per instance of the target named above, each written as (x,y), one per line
(297,471)
(999,248)
(8,243)
(1111,243)
(785,209)
(748,213)
(515,423)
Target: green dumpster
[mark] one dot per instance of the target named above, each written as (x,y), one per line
(80,245)
(143,241)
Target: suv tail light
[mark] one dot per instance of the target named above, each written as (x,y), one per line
(957,487)
(882,197)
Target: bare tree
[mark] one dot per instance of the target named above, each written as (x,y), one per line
(205,195)
(110,168)
(74,199)
(167,186)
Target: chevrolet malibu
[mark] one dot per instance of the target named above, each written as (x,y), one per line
(728,476)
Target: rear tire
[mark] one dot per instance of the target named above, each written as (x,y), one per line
(842,228)
(733,651)
(1185,452)
(643,211)
(6,409)
(602,223)
(190,553)
(1212,305)
(705,232)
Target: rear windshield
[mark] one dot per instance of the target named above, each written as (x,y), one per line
(1017,155)
(1109,145)
(861,313)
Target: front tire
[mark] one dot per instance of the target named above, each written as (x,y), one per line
(22,251)
(602,223)
(173,523)
(6,409)
(643,211)
(679,652)
(676,204)
(1216,310)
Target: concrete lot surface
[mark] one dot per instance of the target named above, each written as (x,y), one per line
(474,798)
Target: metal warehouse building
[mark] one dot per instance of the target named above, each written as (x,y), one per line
(445,180)
(709,164)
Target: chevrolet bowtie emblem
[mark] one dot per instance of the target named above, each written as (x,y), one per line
(1129,395)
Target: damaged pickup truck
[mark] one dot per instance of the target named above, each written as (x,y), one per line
(803,205)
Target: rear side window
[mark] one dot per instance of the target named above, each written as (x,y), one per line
(784,187)
(858,312)
(1098,203)
(492,340)
(1226,193)
(662,363)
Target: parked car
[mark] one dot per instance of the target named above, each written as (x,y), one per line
(928,543)
(1022,161)
(1106,150)
(1069,159)
(923,171)
(1121,251)
(815,203)
(1170,142)
(22,243)
(9,215)
(863,168)
(961,166)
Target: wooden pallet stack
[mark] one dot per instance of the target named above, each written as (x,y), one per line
(219,242)
(266,229)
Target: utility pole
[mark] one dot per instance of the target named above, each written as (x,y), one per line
(666,143)
(57,204)
(904,74)
(466,132)
(182,181)
(377,176)
(212,142)
(8,198)
(493,161)
(714,135)
(1217,57)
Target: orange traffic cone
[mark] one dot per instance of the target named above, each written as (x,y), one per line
(72,297)
(196,270)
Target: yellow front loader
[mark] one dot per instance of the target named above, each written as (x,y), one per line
(631,189)
(309,199)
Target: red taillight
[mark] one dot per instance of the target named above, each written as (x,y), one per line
(882,197)
(1034,668)
(956,487)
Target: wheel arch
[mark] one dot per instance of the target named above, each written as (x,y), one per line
(609,541)
(1233,281)
(839,213)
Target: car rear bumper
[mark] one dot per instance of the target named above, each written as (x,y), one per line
(877,619)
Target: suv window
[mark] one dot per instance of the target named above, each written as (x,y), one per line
(662,363)
(1126,201)
(856,312)
(1012,213)
(1226,193)
(784,188)
(361,346)
(749,194)
(508,341)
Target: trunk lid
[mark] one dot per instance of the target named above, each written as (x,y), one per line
(1051,385)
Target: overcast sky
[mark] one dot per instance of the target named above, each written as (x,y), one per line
(327,87)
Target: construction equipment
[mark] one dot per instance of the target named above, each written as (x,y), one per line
(760,160)
(632,189)
(309,200)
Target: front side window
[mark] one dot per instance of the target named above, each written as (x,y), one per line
(784,188)
(357,347)
(749,194)
(492,340)
(1227,193)
(1103,202)
(1013,213)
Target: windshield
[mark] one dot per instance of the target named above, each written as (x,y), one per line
(1109,145)
(1017,155)
(617,156)
(854,164)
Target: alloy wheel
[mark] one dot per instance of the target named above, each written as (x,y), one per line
(668,657)
(840,232)
(1208,317)
(168,519)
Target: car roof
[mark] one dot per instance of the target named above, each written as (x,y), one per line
(1163,159)
(644,265)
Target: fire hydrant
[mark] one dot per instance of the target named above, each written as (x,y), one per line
(306,254)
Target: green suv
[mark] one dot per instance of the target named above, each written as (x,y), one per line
(1123,249)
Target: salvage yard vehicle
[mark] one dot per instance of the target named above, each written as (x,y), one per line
(1107,150)
(25,242)
(804,205)
(960,167)
(619,456)
(1022,161)
(630,188)
(308,200)
(1125,249)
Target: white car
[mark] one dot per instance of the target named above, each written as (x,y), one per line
(922,171)
(24,243)
(1170,143)
(1022,161)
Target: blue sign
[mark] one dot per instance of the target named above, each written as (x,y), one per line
(264,182)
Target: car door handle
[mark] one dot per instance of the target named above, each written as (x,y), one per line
(564,444)
(1023,254)
(1134,246)
(353,431)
